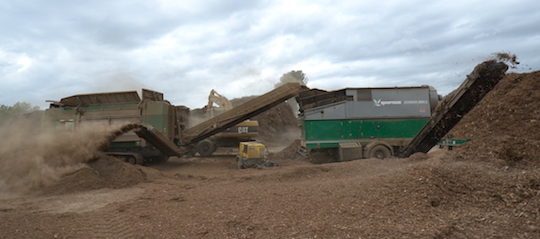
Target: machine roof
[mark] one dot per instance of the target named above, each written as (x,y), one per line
(316,97)
(111,98)
(125,97)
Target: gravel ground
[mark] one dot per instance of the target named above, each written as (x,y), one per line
(210,198)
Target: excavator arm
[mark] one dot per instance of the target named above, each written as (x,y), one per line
(220,100)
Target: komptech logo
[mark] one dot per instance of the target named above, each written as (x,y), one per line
(380,102)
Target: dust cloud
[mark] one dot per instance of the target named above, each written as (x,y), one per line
(293,77)
(33,155)
(286,136)
(195,119)
(506,57)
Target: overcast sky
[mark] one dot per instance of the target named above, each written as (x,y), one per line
(57,48)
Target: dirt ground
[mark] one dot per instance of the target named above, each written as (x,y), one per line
(210,198)
(488,188)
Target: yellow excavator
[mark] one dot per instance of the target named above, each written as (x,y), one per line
(221,101)
(231,137)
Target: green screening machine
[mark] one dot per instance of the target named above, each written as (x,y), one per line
(357,123)
(364,122)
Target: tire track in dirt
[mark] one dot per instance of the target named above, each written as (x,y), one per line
(97,213)
(114,225)
(111,223)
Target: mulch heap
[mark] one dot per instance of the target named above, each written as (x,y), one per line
(505,125)
(490,185)
(102,172)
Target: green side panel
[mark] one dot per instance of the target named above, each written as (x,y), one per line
(109,107)
(322,145)
(316,130)
(159,122)
(156,114)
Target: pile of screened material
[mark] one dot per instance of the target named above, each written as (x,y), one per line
(505,125)
(101,172)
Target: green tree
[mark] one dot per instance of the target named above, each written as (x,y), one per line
(18,109)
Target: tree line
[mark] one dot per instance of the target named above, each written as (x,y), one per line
(16,110)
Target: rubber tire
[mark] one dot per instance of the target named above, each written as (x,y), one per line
(240,163)
(131,160)
(206,148)
(380,151)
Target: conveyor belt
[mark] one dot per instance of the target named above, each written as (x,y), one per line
(450,111)
(240,113)
(158,140)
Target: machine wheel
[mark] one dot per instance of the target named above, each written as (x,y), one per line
(206,148)
(131,159)
(380,151)
(240,163)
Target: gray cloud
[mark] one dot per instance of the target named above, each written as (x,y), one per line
(185,48)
